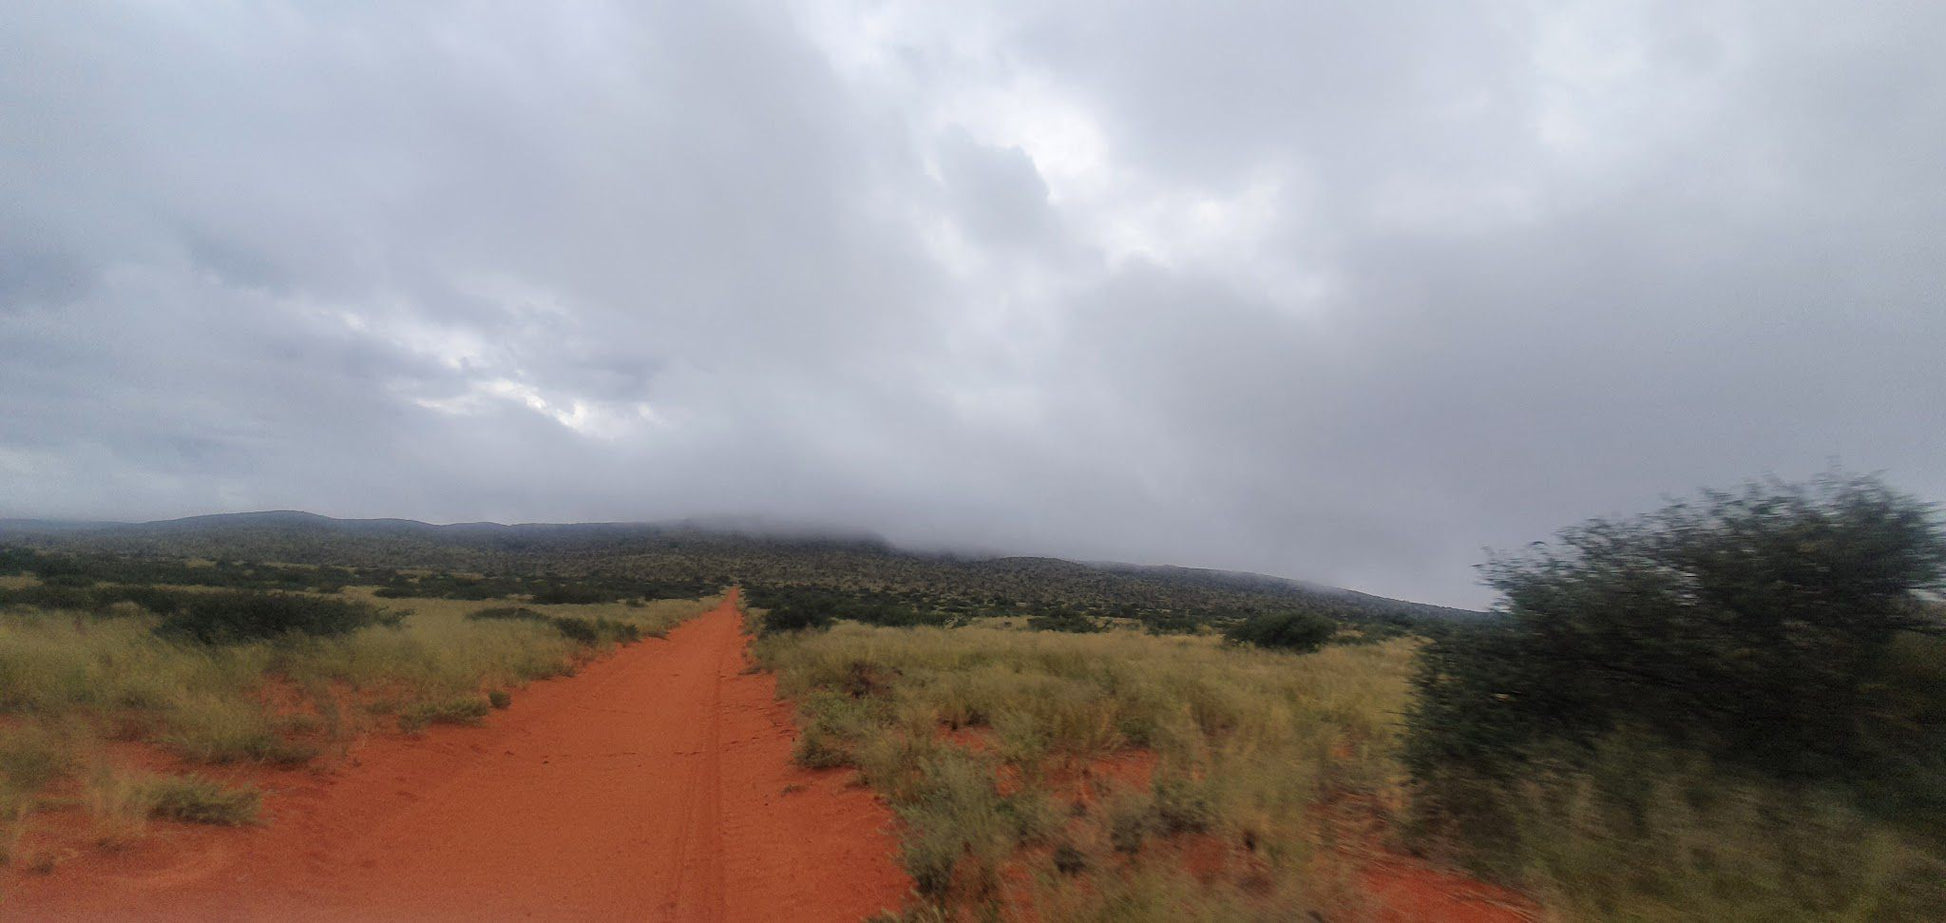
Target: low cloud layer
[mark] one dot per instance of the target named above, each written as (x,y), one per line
(1344,295)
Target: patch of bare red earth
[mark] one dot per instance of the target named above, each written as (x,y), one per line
(657,784)
(1391,887)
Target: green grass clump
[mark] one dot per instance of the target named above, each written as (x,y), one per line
(120,804)
(467,710)
(212,729)
(198,800)
(816,749)
(31,757)
(1641,831)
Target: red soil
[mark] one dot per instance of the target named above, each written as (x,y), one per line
(1407,891)
(655,785)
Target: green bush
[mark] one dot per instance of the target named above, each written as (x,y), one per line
(1755,627)
(1291,630)
(1074,622)
(237,616)
(1777,638)
(507,613)
(578,629)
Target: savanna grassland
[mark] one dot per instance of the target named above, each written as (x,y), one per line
(1733,708)
(123,703)
(1113,775)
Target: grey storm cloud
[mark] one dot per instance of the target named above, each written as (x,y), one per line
(1346,292)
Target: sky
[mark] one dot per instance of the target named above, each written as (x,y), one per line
(1348,292)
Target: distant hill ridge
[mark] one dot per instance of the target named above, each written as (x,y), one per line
(748,549)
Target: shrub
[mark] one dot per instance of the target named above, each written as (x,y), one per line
(808,608)
(1131,819)
(1291,630)
(507,613)
(236,616)
(800,616)
(1069,860)
(1755,627)
(1065,621)
(815,750)
(499,698)
(1183,805)
(578,629)
(572,594)
(1660,696)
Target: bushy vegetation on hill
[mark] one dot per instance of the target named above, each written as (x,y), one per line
(213,617)
(546,589)
(494,562)
(1718,662)
(797,608)
(76,571)
(82,569)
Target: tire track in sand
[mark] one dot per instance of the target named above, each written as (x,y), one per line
(656,785)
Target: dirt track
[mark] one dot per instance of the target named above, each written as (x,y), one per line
(650,787)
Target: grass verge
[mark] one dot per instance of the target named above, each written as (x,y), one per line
(1020,763)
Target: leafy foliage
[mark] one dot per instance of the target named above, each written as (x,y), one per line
(228,617)
(798,608)
(84,569)
(1783,634)
(1289,630)
(1065,621)
(1753,626)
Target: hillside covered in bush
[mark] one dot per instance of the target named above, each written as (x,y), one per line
(608,561)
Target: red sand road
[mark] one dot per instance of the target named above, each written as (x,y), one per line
(650,787)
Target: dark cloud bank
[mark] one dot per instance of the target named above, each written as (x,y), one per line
(1338,295)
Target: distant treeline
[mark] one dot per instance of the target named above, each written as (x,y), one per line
(865,585)
(796,608)
(73,580)
(68,569)
(1286,625)
(643,560)
(548,589)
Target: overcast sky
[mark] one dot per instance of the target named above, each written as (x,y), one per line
(1345,292)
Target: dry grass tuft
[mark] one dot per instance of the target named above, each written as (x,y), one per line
(1249,746)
